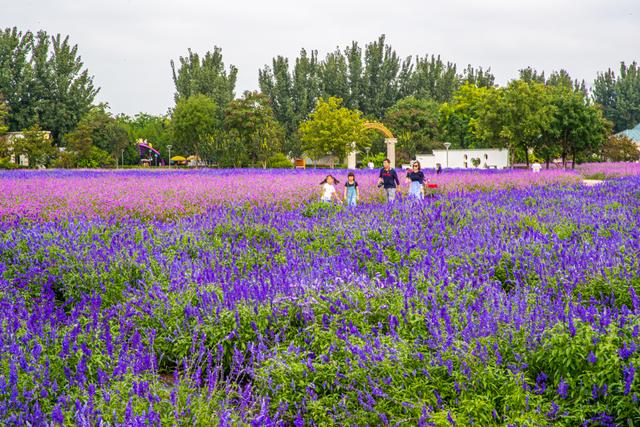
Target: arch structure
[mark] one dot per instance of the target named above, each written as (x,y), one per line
(389,140)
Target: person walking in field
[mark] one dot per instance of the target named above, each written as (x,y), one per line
(351,192)
(415,179)
(329,189)
(388,179)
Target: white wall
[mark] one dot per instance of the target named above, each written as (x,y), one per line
(489,158)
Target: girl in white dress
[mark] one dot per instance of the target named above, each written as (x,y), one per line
(329,189)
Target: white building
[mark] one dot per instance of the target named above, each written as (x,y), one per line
(484,158)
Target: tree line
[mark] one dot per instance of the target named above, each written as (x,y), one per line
(310,106)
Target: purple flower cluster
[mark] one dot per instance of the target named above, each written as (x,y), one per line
(516,306)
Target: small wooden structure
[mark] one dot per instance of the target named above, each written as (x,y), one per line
(300,164)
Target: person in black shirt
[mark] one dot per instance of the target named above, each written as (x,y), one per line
(415,177)
(389,180)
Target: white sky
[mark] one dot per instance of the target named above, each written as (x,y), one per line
(127,44)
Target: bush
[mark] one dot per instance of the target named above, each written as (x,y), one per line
(377,159)
(7,164)
(279,161)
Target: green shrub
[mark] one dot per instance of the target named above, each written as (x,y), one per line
(279,161)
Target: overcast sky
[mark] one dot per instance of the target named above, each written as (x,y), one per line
(127,44)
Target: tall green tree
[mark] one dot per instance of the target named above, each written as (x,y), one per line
(531,75)
(380,86)
(619,96)
(415,123)
(306,84)
(581,127)
(332,130)
(620,148)
(4,114)
(45,82)
(276,83)
(516,116)
(252,122)
(16,77)
(208,76)
(434,79)
(333,76)
(478,77)
(195,125)
(370,80)
(457,116)
(62,87)
(107,133)
(353,55)
(88,144)
(292,94)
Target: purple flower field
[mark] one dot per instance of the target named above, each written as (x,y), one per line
(170,194)
(234,298)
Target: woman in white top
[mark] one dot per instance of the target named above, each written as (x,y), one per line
(329,189)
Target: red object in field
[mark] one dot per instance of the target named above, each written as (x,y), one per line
(432,185)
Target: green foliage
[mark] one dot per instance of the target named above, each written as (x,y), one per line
(36,146)
(204,76)
(251,120)
(45,82)
(5,163)
(321,209)
(64,90)
(4,114)
(370,79)
(620,148)
(610,288)
(377,159)
(279,161)
(577,126)
(16,77)
(433,79)
(415,123)
(155,129)
(619,96)
(564,356)
(332,130)
(195,125)
(458,115)
(478,77)
(380,78)
(515,116)
(96,142)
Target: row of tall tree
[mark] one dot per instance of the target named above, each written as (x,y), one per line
(309,107)
(43,82)
(370,79)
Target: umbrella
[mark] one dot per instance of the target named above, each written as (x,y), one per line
(178,159)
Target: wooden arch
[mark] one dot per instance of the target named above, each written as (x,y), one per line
(379,126)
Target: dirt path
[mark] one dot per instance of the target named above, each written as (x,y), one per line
(591,182)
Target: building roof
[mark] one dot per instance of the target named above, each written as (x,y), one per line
(632,133)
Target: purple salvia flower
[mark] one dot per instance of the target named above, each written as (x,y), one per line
(563,388)
(629,373)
